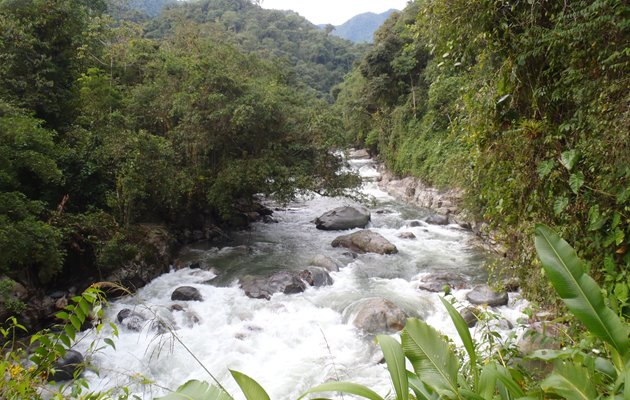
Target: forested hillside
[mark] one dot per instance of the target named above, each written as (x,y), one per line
(524,106)
(109,124)
(316,59)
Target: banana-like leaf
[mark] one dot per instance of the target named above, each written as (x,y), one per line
(432,359)
(509,384)
(197,390)
(464,334)
(570,381)
(344,387)
(395,359)
(421,391)
(578,290)
(251,389)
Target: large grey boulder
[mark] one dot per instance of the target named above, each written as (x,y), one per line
(280,282)
(437,219)
(68,367)
(326,262)
(365,241)
(378,315)
(186,293)
(343,218)
(316,276)
(484,294)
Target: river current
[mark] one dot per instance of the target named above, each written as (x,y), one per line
(291,342)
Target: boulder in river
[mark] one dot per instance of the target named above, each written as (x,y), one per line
(316,276)
(407,235)
(365,241)
(379,315)
(68,367)
(343,218)
(360,154)
(484,294)
(281,282)
(470,315)
(326,262)
(131,320)
(437,219)
(186,293)
(442,282)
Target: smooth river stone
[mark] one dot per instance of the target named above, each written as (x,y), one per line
(365,241)
(484,294)
(343,218)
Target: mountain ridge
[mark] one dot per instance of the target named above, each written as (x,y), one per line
(361,27)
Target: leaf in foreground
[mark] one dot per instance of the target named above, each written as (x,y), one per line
(251,389)
(571,382)
(432,359)
(197,390)
(578,290)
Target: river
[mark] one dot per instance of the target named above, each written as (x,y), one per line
(291,342)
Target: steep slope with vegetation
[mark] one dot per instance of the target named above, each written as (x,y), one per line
(315,58)
(523,105)
(104,129)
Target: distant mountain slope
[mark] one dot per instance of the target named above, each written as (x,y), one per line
(310,55)
(361,28)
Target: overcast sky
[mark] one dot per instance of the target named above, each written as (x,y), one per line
(334,12)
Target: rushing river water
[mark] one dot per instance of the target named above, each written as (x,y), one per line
(291,342)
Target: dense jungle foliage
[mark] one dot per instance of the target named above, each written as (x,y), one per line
(110,119)
(104,126)
(524,105)
(314,57)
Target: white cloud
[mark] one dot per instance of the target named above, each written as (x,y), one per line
(334,12)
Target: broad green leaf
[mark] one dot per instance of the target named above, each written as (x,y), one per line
(70,331)
(576,181)
(110,343)
(344,387)
(505,378)
(395,359)
(464,334)
(578,290)
(84,306)
(197,390)
(595,219)
(65,340)
(432,359)
(560,204)
(488,381)
(251,389)
(569,158)
(571,382)
(545,168)
(419,389)
(75,322)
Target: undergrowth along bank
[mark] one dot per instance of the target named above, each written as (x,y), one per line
(524,106)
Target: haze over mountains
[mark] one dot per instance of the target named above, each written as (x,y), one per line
(361,28)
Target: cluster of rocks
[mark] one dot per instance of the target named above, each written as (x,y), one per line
(136,320)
